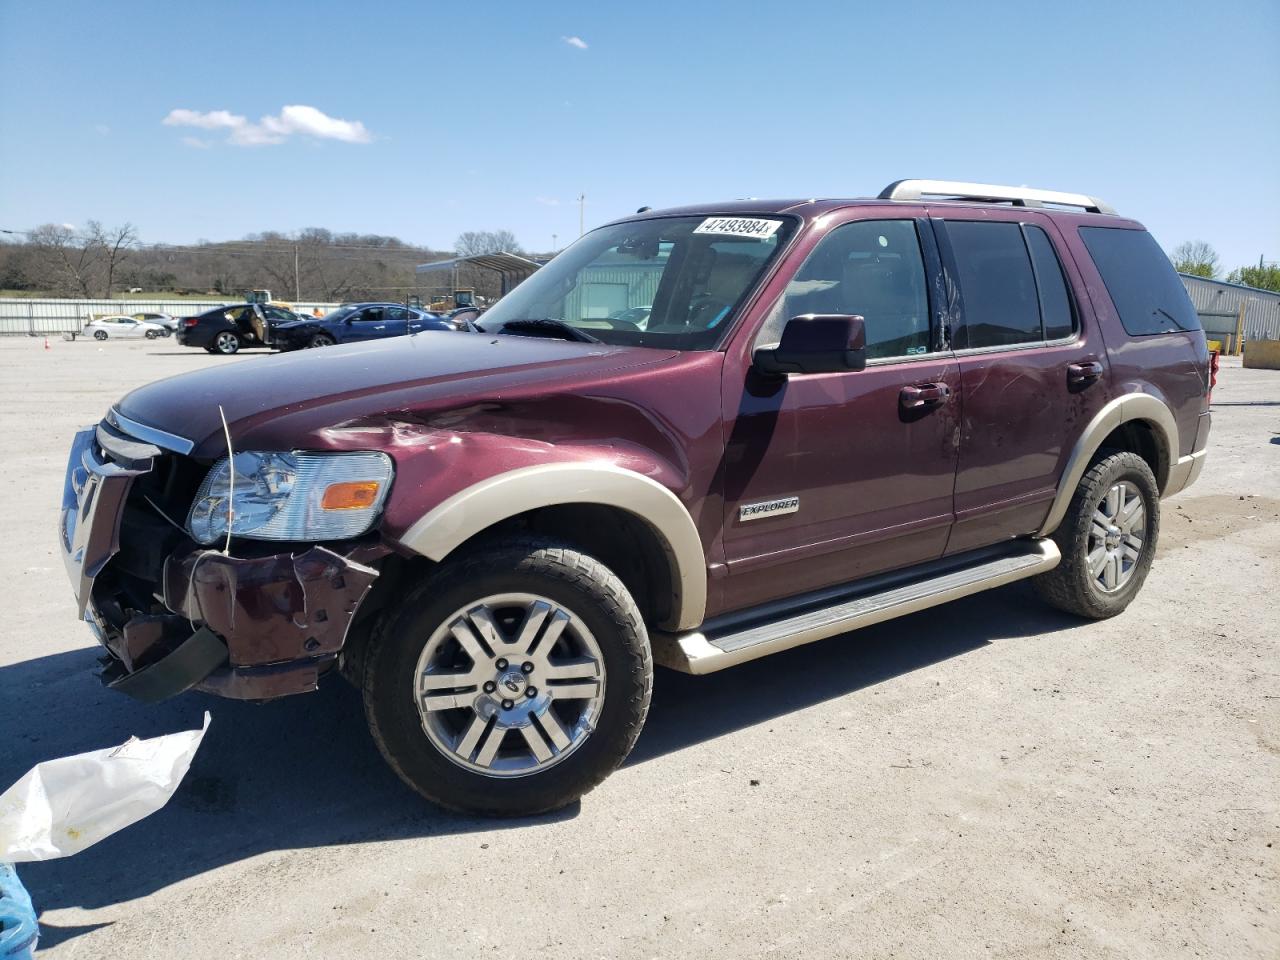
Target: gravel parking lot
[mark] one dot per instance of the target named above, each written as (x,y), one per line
(988,779)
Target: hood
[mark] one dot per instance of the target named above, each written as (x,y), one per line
(366,379)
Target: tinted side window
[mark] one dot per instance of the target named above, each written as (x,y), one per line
(996,283)
(872,268)
(1055,303)
(1141,281)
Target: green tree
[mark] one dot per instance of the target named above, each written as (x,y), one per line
(1195,257)
(1264,277)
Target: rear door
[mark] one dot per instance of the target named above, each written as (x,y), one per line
(1032,373)
(396,322)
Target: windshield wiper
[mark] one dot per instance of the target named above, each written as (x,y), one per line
(546,325)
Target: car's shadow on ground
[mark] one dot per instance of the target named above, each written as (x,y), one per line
(304,772)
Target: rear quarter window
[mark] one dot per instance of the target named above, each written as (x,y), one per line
(1141,281)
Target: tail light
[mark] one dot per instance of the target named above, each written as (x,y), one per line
(190,321)
(1213,372)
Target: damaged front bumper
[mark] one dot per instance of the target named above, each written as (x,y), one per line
(252,627)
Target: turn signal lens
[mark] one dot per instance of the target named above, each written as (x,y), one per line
(357,495)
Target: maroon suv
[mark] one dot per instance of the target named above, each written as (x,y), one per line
(829,413)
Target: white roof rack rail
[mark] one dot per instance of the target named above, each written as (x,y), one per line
(1018,196)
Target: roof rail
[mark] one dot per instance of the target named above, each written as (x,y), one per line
(1018,196)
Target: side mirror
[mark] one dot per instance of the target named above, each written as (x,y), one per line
(816,343)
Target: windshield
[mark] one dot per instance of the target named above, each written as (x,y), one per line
(672,282)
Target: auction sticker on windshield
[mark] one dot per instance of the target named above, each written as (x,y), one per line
(739,227)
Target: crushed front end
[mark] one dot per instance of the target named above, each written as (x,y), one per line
(258,621)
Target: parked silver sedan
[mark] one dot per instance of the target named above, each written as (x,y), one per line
(113,327)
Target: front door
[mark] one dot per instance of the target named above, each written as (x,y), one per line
(1032,374)
(369,324)
(831,477)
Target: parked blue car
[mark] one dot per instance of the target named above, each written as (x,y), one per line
(357,322)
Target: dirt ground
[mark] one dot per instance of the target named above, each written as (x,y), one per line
(988,779)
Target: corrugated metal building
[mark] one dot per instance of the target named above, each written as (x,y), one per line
(1220,303)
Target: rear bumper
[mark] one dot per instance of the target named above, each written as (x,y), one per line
(1187,470)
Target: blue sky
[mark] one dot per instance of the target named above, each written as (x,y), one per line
(485,116)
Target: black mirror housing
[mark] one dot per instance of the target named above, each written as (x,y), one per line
(816,343)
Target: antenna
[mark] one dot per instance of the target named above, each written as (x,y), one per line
(231,486)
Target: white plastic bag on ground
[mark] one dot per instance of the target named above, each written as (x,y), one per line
(62,806)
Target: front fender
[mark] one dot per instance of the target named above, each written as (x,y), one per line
(481,505)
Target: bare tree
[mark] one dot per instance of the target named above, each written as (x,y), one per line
(66,262)
(1195,257)
(115,243)
(475,242)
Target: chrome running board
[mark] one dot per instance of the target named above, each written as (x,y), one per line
(739,637)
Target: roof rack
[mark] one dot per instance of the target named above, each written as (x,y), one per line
(986,192)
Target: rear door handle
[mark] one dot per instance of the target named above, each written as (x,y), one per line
(1084,373)
(924,395)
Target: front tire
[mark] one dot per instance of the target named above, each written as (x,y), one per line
(99,334)
(151,334)
(226,343)
(321,340)
(512,681)
(1107,539)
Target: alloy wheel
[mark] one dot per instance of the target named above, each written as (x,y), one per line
(510,685)
(1117,533)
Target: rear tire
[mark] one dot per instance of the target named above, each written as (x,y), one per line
(99,334)
(1107,539)
(226,343)
(436,733)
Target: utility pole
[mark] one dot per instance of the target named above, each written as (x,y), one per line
(553,243)
(297,282)
(582,206)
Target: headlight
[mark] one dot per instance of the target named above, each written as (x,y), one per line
(291,496)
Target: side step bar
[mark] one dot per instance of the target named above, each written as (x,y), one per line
(736,638)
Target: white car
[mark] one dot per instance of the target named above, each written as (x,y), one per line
(105,328)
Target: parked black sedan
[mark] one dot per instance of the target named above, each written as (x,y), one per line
(357,322)
(228,329)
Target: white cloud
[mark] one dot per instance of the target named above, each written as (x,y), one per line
(303,120)
(212,120)
(575,42)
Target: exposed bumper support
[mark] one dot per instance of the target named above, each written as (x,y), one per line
(251,628)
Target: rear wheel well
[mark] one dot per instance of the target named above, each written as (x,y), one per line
(1140,437)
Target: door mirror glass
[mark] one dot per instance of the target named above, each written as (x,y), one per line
(816,343)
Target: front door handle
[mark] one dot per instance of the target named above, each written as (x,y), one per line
(1084,373)
(924,395)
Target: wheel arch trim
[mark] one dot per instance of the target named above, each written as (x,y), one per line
(1126,408)
(476,508)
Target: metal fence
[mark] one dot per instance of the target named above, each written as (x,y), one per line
(41,318)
